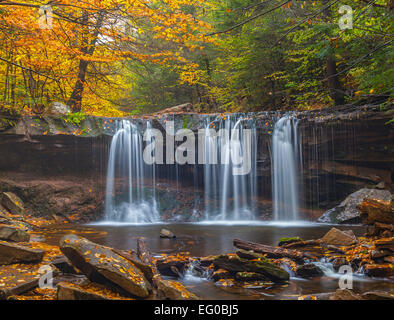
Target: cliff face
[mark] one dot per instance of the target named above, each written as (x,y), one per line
(60,168)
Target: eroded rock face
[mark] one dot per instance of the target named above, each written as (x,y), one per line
(13,234)
(100,264)
(339,238)
(12,253)
(348,211)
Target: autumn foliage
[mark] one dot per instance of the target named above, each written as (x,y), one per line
(75,51)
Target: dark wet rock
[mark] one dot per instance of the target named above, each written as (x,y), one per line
(165,233)
(379,270)
(385,244)
(378,295)
(12,202)
(14,253)
(250,276)
(207,261)
(172,266)
(221,274)
(339,238)
(379,254)
(174,290)
(100,264)
(373,211)
(309,271)
(339,262)
(15,234)
(64,265)
(69,291)
(348,211)
(234,263)
(285,241)
(345,294)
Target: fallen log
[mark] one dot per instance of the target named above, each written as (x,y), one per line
(271,252)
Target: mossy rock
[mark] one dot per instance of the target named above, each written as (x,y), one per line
(284,241)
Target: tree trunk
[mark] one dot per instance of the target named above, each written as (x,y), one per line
(334,85)
(75,101)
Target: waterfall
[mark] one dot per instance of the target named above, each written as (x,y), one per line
(130,192)
(286,155)
(229,196)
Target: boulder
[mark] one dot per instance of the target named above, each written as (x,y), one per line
(348,211)
(58,109)
(385,244)
(234,263)
(15,234)
(174,290)
(101,264)
(339,238)
(309,271)
(164,233)
(11,253)
(69,291)
(373,211)
(12,202)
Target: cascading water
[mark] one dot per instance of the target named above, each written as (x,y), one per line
(286,162)
(230,196)
(130,193)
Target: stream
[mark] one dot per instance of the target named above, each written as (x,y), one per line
(203,239)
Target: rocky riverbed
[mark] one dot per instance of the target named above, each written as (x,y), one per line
(76,268)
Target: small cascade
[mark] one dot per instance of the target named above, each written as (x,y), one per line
(130,193)
(230,196)
(286,162)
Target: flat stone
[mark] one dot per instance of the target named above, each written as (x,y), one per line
(12,202)
(13,253)
(15,234)
(345,294)
(378,295)
(101,264)
(340,238)
(69,291)
(174,290)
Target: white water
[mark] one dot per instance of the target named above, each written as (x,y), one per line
(227,196)
(285,164)
(133,200)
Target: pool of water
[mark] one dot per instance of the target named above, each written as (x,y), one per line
(202,239)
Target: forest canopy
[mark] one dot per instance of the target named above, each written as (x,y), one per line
(130,57)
